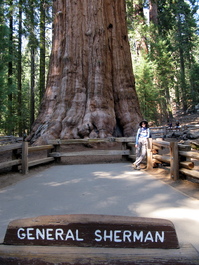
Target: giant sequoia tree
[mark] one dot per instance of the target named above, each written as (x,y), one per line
(90,88)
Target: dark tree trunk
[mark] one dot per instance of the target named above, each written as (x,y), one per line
(32,89)
(9,125)
(42,50)
(32,64)
(90,88)
(19,72)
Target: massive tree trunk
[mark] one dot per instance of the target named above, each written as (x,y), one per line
(90,88)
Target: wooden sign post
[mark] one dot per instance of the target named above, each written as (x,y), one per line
(93,239)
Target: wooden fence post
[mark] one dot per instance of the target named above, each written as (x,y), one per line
(24,166)
(174,163)
(149,154)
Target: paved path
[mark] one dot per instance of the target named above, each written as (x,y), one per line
(112,189)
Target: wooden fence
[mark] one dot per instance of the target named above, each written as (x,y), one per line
(20,156)
(178,156)
(125,151)
(10,140)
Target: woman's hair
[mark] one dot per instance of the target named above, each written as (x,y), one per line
(145,122)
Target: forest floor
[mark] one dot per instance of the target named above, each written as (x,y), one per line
(188,187)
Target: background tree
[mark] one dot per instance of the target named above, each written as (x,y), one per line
(19,70)
(164,47)
(170,31)
(90,88)
(42,45)
(10,69)
(3,66)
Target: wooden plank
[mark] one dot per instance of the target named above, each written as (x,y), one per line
(162,158)
(189,154)
(124,139)
(78,141)
(91,153)
(40,148)
(10,147)
(191,173)
(40,161)
(161,143)
(29,255)
(187,164)
(10,163)
(132,156)
(92,140)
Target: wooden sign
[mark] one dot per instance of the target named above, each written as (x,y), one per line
(92,231)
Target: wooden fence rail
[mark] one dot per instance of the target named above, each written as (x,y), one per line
(22,150)
(125,151)
(26,150)
(15,160)
(178,156)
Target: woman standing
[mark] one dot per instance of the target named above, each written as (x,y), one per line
(143,134)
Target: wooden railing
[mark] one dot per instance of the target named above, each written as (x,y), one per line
(20,156)
(4,140)
(25,152)
(178,156)
(15,158)
(124,151)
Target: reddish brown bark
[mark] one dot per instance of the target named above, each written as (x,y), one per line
(90,89)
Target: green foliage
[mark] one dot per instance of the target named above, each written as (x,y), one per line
(146,88)
(165,55)
(12,100)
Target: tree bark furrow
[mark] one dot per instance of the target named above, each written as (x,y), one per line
(90,88)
